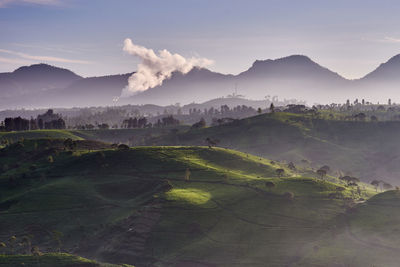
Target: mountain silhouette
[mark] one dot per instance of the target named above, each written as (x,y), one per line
(295,76)
(33,79)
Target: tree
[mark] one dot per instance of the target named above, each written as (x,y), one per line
(325,168)
(375,183)
(269,185)
(199,124)
(187,175)
(291,166)
(321,173)
(211,142)
(351,181)
(103,126)
(36,251)
(69,144)
(272,108)
(279,172)
(123,147)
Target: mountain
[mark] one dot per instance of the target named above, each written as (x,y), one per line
(292,67)
(34,79)
(386,72)
(93,91)
(292,77)
(197,85)
(289,77)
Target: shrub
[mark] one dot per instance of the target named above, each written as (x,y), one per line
(123,147)
(269,184)
(288,195)
(279,172)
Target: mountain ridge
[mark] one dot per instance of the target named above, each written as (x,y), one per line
(295,76)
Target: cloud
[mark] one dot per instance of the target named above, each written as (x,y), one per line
(44,58)
(154,69)
(14,61)
(5,3)
(391,40)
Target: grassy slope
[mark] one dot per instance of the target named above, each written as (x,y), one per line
(367,149)
(16,136)
(368,235)
(116,206)
(51,260)
(128,136)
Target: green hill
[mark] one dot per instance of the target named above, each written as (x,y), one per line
(366,149)
(51,260)
(367,235)
(165,206)
(38,134)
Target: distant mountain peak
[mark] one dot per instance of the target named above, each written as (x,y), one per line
(43,68)
(388,71)
(290,67)
(289,59)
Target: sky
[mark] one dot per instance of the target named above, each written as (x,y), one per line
(86,36)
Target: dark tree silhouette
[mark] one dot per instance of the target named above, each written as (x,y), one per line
(291,166)
(272,108)
(199,124)
(375,183)
(210,142)
(321,173)
(279,172)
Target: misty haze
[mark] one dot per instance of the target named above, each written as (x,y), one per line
(199,133)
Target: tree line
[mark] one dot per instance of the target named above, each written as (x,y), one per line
(49,120)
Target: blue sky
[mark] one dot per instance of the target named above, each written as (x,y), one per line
(86,36)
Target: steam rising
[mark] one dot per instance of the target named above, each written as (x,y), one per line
(154,69)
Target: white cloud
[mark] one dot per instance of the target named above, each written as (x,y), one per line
(43,58)
(154,69)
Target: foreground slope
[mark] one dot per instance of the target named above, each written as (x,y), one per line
(165,206)
(367,235)
(51,260)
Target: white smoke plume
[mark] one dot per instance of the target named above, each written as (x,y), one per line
(154,69)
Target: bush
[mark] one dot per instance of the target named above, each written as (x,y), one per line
(123,147)
(269,185)
(288,195)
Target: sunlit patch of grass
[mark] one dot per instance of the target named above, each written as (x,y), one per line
(192,196)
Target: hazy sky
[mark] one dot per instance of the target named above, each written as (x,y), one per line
(86,36)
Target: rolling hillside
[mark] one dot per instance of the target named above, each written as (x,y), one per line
(51,260)
(365,149)
(166,206)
